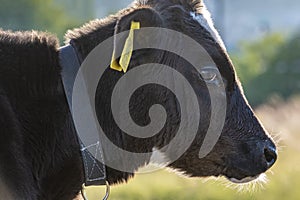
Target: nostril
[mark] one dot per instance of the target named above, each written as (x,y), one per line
(270,155)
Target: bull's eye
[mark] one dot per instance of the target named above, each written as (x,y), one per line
(209,74)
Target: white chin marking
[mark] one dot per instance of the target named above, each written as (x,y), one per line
(244,180)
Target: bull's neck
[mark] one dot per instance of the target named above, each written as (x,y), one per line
(88,40)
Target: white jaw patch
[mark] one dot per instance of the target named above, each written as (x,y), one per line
(159,158)
(204,19)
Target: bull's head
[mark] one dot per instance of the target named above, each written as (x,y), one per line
(242,151)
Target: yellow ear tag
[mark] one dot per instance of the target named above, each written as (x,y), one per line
(127,51)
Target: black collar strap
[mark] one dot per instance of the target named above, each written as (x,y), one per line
(94,171)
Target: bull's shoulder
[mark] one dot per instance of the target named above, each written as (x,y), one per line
(19,39)
(28,61)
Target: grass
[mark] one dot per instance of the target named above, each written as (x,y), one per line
(281,118)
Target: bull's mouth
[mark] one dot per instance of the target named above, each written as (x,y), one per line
(242,176)
(243,180)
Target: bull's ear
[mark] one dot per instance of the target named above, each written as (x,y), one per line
(137,19)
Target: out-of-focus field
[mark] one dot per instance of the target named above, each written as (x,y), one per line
(282,119)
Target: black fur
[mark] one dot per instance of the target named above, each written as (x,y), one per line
(39,151)
(38,146)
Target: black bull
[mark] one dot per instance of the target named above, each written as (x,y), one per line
(39,151)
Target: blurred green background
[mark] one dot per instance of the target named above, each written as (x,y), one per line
(264,43)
